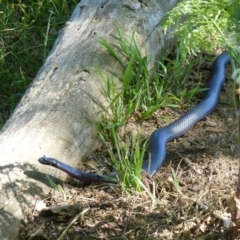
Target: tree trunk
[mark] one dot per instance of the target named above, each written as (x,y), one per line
(51,118)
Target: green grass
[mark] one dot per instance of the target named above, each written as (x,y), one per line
(57,187)
(143,91)
(200,29)
(28,30)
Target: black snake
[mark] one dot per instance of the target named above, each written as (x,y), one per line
(160,137)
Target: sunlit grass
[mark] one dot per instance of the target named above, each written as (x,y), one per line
(143,91)
(28,30)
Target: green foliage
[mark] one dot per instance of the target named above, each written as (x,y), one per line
(201,20)
(28,31)
(142,91)
(57,187)
(176,182)
(233,37)
(126,157)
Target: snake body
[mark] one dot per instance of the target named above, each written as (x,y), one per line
(76,173)
(160,137)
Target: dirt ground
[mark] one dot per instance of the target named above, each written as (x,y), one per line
(205,161)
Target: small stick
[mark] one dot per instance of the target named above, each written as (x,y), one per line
(72,222)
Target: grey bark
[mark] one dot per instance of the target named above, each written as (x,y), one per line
(51,118)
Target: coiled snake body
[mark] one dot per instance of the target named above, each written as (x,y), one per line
(160,137)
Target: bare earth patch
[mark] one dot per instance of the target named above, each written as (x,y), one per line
(205,161)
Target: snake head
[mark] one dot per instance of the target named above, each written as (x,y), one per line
(48,161)
(44,160)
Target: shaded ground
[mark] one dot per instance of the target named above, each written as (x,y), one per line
(206,164)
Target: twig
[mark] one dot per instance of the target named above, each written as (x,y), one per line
(72,222)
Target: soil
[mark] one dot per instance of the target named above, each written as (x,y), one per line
(200,206)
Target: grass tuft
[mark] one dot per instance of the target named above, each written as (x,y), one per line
(143,91)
